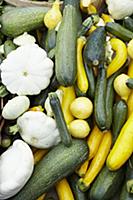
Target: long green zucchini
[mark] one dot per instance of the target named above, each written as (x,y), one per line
(59,118)
(65,55)
(57,164)
(20,20)
(99,99)
(106,184)
(110,99)
(128,23)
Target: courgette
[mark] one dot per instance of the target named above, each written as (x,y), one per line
(59,118)
(119,31)
(124,194)
(120,111)
(128,23)
(110,98)
(106,184)
(19,20)
(129,83)
(65,55)
(99,99)
(91,80)
(57,164)
(78,194)
(94,51)
(129,175)
(8,47)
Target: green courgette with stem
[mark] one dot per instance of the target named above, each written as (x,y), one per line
(59,162)
(129,83)
(99,99)
(129,175)
(120,111)
(8,47)
(119,31)
(78,194)
(94,51)
(110,98)
(19,20)
(66,44)
(124,193)
(106,184)
(128,23)
(59,118)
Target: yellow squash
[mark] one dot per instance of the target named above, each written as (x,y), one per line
(97,162)
(94,141)
(68,97)
(42,197)
(63,190)
(120,58)
(83,169)
(123,146)
(130,48)
(107,18)
(82,81)
(84,5)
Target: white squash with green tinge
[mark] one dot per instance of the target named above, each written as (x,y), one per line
(16,167)
(38,129)
(15,107)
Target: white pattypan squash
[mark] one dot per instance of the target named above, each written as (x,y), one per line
(15,107)
(38,129)
(120,8)
(16,167)
(26,70)
(24,39)
(47,103)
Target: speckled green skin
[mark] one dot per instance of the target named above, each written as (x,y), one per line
(19,20)
(124,194)
(106,184)
(57,164)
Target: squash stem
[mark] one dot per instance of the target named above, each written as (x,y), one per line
(13,129)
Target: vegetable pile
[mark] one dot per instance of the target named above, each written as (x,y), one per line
(66,89)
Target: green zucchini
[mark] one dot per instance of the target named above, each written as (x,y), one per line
(129,175)
(50,40)
(119,31)
(78,194)
(8,47)
(124,193)
(66,44)
(106,184)
(57,164)
(91,80)
(41,98)
(120,111)
(99,99)
(20,20)
(87,23)
(129,83)
(128,23)
(94,51)
(59,118)
(110,98)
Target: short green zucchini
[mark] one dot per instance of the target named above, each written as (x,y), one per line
(128,23)
(129,83)
(124,193)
